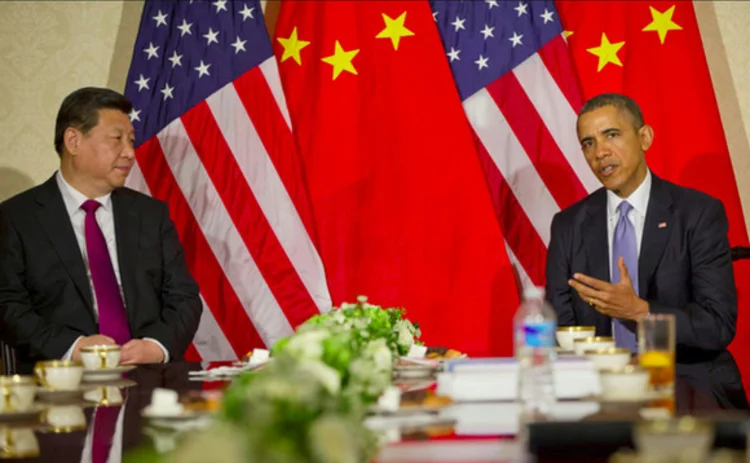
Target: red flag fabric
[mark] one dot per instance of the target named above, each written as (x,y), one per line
(397,190)
(653,52)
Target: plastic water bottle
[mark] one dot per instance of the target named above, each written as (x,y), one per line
(534,327)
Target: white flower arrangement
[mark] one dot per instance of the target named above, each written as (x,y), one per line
(309,404)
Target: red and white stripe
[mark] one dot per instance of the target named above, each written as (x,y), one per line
(229,170)
(525,129)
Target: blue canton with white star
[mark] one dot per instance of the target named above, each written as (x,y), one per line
(485,39)
(187,50)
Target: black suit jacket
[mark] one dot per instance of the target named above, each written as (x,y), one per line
(45,296)
(684,267)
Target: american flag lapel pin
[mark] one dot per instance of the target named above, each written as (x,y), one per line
(662,224)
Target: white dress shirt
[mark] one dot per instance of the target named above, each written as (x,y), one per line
(637,215)
(74,199)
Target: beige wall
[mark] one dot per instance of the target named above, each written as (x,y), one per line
(49,49)
(52,48)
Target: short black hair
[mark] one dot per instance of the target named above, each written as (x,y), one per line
(80,110)
(617,100)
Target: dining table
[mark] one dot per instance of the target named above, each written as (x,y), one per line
(708,386)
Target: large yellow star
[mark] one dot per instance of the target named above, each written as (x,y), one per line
(662,23)
(292,47)
(394,29)
(341,60)
(607,52)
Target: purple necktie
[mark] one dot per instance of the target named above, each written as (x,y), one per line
(112,319)
(105,425)
(624,245)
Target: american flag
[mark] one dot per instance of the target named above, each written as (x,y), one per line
(517,83)
(214,141)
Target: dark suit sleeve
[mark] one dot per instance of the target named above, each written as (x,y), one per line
(558,291)
(181,303)
(710,321)
(20,322)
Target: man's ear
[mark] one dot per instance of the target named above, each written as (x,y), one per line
(646,136)
(72,140)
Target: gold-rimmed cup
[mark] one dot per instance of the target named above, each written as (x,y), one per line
(59,375)
(65,418)
(567,334)
(609,358)
(104,396)
(17,393)
(626,383)
(592,343)
(18,443)
(100,357)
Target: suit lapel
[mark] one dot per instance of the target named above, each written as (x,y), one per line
(53,216)
(656,231)
(127,233)
(594,229)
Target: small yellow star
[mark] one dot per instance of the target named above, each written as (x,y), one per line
(292,47)
(394,29)
(567,33)
(341,60)
(607,52)
(662,23)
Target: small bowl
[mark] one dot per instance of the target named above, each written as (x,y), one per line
(592,343)
(674,437)
(567,334)
(627,383)
(611,358)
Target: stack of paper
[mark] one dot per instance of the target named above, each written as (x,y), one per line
(496,379)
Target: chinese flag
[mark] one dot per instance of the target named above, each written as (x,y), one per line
(402,211)
(652,52)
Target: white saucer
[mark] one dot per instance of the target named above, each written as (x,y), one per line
(33,413)
(56,395)
(184,415)
(107,374)
(646,397)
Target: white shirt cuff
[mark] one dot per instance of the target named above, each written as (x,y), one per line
(69,354)
(166,354)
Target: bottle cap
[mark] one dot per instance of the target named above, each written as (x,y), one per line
(533,292)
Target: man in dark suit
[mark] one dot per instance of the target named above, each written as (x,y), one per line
(85,261)
(640,245)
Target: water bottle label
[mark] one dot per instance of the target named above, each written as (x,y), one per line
(540,334)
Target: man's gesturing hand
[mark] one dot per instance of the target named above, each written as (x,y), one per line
(616,300)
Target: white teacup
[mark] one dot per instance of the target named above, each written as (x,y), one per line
(65,418)
(59,375)
(18,443)
(104,395)
(630,382)
(164,402)
(100,357)
(567,334)
(596,342)
(612,358)
(17,393)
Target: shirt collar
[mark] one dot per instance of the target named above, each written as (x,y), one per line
(638,199)
(74,199)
